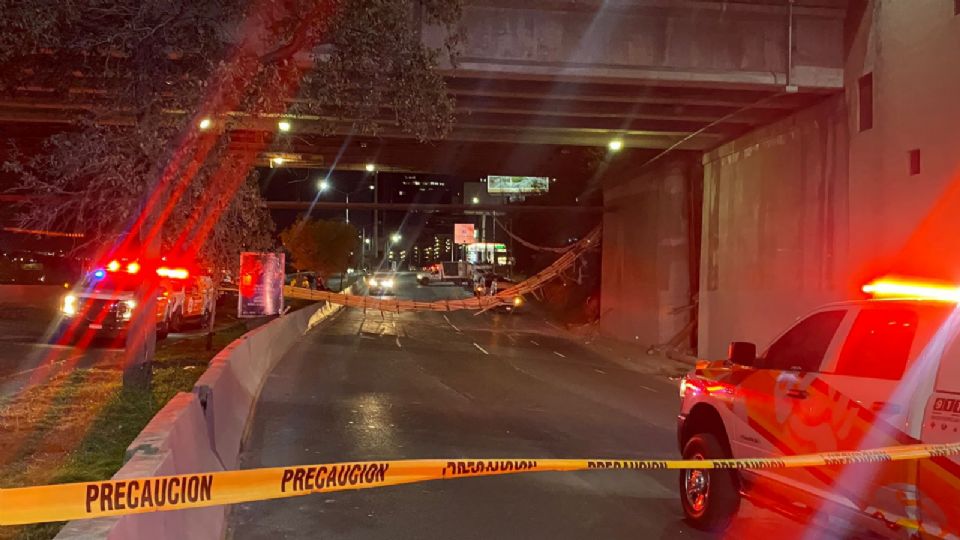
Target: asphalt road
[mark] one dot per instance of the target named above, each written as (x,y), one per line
(431,385)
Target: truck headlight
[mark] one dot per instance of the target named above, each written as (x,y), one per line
(127,310)
(388,283)
(69,306)
(373,282)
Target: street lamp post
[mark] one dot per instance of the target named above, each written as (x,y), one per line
(371,168)
(324,185)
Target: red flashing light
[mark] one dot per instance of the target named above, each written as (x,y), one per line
(904,288)
(173,273)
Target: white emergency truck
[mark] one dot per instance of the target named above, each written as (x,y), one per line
(849,376)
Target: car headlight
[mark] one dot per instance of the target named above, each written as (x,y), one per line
(69,306)
(373,282)
(388,283)
(517,301)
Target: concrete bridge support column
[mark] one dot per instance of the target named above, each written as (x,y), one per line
(650,243)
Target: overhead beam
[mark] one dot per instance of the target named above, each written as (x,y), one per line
(422,207)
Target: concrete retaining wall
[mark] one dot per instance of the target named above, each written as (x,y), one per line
(202,431)
(42,296)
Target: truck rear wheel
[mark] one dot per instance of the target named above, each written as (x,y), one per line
(710,497)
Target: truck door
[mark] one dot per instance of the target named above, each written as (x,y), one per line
(772,403)
(938,479)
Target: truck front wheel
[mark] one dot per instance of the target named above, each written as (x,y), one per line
(710,497)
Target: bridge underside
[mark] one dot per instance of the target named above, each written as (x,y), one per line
(657,74)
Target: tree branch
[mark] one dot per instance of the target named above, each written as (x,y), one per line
(320,15)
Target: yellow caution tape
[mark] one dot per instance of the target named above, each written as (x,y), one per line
(85,500)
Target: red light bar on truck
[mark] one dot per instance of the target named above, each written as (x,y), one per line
(131,268)
(903,288)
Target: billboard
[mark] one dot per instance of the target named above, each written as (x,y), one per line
(518,184)
(261,284)
(463,233)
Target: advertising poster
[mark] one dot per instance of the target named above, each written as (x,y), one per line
(261,284)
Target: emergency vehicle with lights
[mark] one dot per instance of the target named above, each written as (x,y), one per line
(104,301)
(878,372)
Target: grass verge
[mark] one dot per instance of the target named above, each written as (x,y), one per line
(87,420)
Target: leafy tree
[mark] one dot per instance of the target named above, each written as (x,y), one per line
(178,96)
(321,246)
(149,72)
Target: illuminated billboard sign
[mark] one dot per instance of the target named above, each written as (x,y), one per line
(518,184)
(463,233)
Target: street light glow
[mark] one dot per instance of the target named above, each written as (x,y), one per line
(323,185)
(283,125)
(395,237)
(277,161)
(205,123)
(371,187)
(476,200)
(615,145)
(370,167)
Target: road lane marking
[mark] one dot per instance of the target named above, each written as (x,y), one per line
(600,371)
(558,354)
(450,323)
(399,346)
(648,388)
(535,343)
(484,351)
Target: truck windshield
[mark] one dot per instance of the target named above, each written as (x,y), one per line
(110,282)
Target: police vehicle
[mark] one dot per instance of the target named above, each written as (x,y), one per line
(857,375)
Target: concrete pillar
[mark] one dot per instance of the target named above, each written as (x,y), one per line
(647,253)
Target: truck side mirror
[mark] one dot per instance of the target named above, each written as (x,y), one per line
(743,353)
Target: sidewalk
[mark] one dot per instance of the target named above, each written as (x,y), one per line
(641,358)
(636,357)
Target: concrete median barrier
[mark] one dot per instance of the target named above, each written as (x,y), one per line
(167,446)
(202,431)
(39,296)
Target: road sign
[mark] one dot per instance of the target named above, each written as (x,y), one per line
(261,284)
(463,233)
